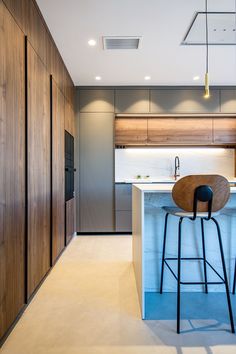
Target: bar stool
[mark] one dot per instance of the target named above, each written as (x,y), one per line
(197,197)
(231,212)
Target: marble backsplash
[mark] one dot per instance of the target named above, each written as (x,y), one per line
(159,162)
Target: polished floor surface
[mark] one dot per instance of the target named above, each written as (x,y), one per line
(88,304)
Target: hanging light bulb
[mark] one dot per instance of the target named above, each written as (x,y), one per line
(207,88)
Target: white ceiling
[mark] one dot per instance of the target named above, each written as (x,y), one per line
(162,25)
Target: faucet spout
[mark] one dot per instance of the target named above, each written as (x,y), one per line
(177,167)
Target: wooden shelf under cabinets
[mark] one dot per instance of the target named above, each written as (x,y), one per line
(175,130)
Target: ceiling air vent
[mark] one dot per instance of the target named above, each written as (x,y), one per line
(121,42)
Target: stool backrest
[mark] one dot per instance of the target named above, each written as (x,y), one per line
(205,193)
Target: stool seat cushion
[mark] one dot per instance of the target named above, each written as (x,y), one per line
(187,214)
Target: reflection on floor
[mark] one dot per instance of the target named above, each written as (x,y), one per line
(88,304)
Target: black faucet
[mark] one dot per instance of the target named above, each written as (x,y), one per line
(177,166)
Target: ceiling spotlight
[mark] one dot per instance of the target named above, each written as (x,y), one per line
(98,78)
(196,78)
(92,42)
(147,78)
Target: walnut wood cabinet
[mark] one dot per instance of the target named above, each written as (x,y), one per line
(32,126)
(12,170)
(70,219)
(58,171)
(182,131)
(69,118)
(224,130)
(131,131)
(39,169)
(179,130)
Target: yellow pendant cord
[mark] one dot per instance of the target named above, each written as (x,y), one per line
(207,89)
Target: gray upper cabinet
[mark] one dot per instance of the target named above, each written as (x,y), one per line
(228,101)
(132,101)
(96,180)
(184,101)
(96,100)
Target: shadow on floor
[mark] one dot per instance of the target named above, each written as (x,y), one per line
(204,319)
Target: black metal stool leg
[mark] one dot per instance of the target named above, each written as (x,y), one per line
(225,276)
(234,284)
(204,256)
(179,275)
(163,253)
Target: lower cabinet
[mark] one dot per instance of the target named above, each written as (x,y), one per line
(123,207)
(70,220)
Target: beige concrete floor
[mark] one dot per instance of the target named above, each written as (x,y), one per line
(88,304)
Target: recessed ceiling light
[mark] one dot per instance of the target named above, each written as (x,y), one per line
(196,78)
(147,78)
(92,42)
(98,78)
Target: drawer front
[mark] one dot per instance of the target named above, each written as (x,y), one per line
(123,194)
(124,221)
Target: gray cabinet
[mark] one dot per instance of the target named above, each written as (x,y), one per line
(132,101)
(228,101)
(96,156)
(184,101)
(123,205)
(96,100)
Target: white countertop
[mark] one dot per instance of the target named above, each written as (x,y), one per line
(162,188)
(164,180)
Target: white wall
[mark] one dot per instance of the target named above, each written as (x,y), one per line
(159,162)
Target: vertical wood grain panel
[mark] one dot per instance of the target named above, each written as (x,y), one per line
(70,219)
(38,170)
(69,118)
(19,10)
(58,172)
(12,170)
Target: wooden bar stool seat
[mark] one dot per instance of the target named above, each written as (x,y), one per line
(197,197)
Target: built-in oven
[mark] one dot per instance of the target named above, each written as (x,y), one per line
(69,166)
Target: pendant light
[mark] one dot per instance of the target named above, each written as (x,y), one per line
(207,89)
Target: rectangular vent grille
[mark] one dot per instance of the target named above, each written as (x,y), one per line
(121,43)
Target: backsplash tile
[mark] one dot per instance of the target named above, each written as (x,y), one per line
(159,162)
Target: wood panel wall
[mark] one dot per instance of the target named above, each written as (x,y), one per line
(58,172)
(31,144)
(39,169)
(12,170)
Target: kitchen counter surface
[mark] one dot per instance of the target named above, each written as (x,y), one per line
(162,188)
(167,180)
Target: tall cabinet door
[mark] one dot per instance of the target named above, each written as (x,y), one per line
(58,171)
(38,170)
(96,172)
(12,170)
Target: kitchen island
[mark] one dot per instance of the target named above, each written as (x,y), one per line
(148,227)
